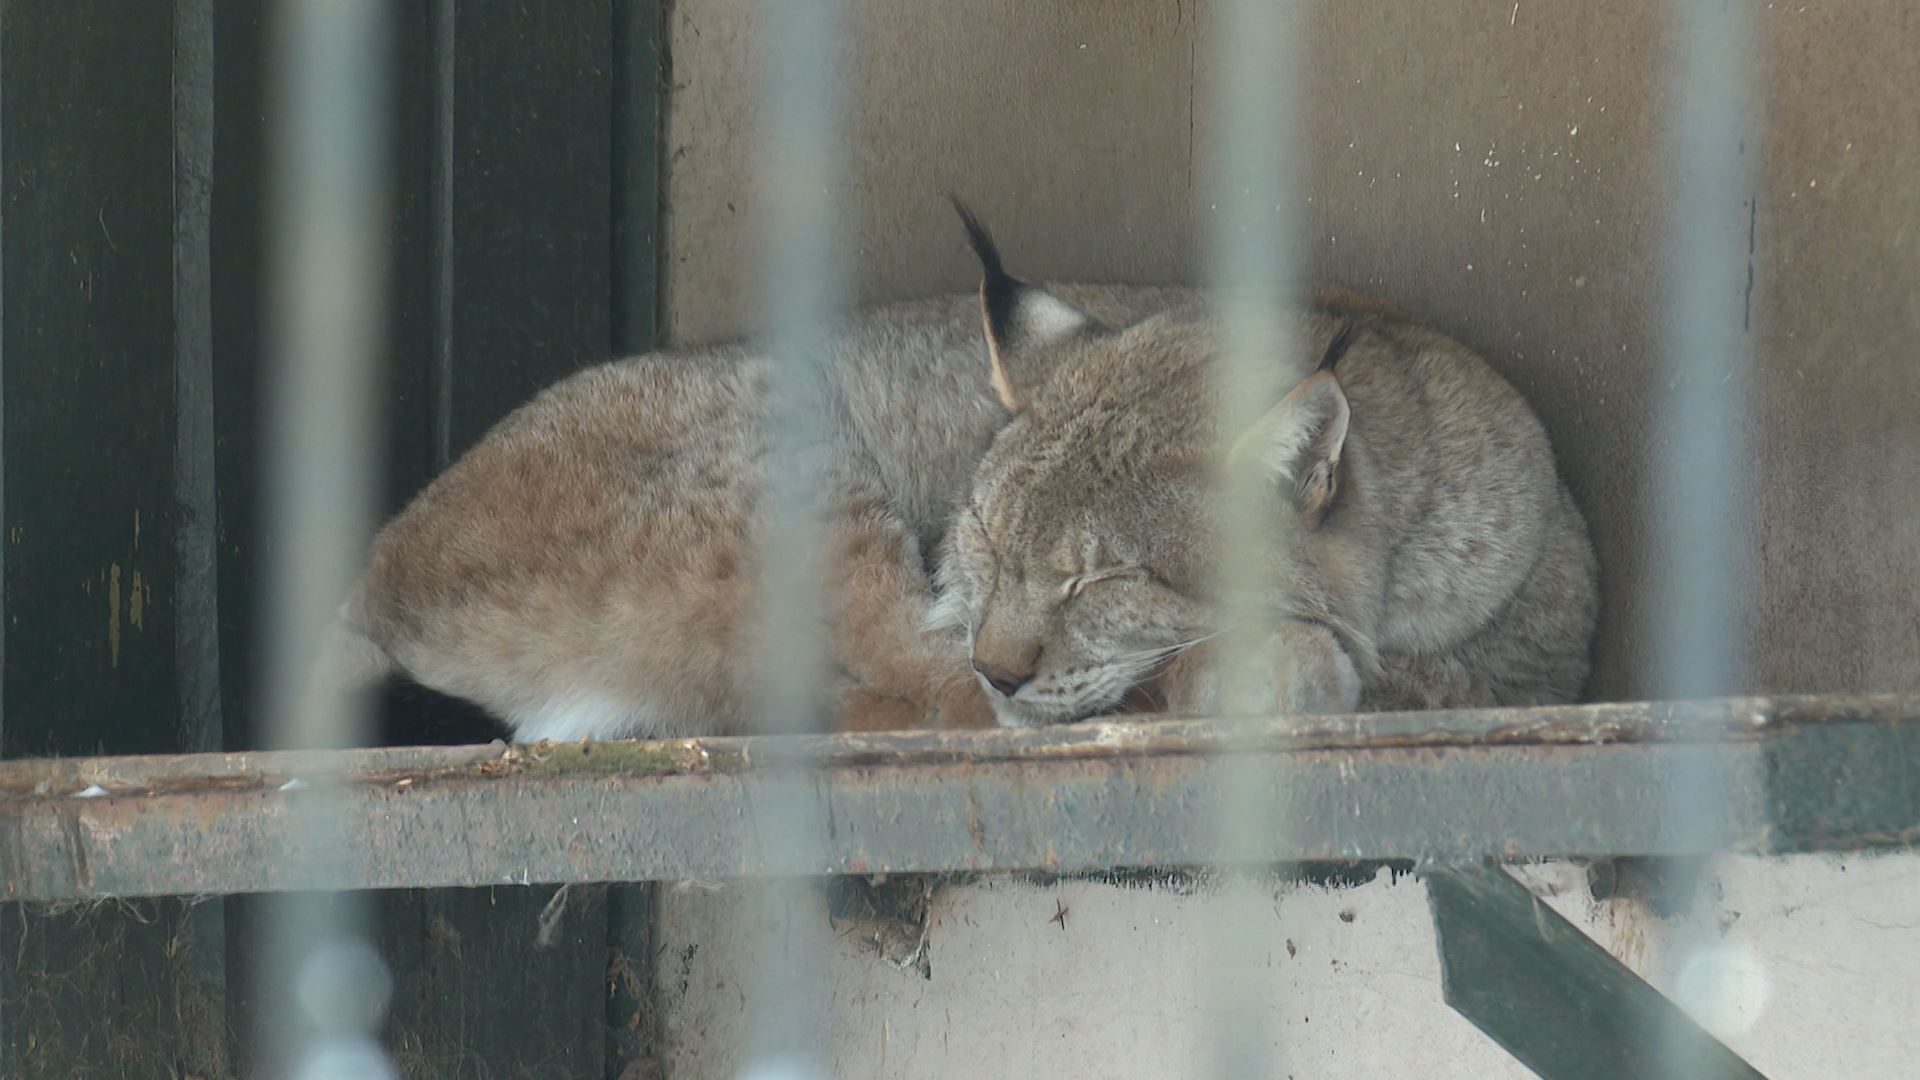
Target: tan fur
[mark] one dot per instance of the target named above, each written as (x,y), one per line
(587,568)
(1434,557)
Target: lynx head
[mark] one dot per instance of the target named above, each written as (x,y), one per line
(1083,559)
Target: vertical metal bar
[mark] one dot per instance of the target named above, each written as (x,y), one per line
(802,159)
(637,106)
(638,101)
(1700,482)
(440,377)
(327,214)
(196,621)
(4,544)
(4,540)
(196,647)
(1700,472)
(1253,275)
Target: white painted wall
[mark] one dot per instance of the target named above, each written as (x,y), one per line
(1825,950)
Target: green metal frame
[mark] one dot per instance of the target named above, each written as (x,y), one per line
(1552,997)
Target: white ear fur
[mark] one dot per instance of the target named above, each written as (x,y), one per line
(1023,320)
(1300,439)
(1044,319)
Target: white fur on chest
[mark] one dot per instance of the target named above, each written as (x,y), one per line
(587,715)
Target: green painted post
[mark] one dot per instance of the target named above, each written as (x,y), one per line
(1550,995)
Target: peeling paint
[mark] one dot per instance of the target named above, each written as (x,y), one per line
(137,599)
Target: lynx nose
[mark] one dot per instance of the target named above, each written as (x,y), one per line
(1008,683)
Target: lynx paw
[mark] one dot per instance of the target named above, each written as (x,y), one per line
(962,705)
(1307,672)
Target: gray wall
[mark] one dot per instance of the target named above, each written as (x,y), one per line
(1496,169)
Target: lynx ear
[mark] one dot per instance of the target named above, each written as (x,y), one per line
(1299,440)
(1022,322)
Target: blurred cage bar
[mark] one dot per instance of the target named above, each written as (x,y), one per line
(1699,493)
(112,837)
(327,984)
(1254,272)
(801,163)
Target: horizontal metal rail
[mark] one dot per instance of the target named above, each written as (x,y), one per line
(1441,787)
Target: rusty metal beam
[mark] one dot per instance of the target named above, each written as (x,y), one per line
(1453,787)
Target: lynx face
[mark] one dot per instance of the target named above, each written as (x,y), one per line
(1070,598)
(1081,563)
(1433,560)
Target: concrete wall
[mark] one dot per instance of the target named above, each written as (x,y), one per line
(1497,169)
(1818,960)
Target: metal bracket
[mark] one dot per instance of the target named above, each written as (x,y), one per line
(1552,997)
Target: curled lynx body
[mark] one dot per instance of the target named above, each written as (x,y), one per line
(587,569)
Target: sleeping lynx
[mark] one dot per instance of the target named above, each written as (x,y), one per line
(1436,559)
(586,570)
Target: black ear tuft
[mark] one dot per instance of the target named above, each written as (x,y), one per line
(979,239)
(1337,348)
(999,290)
(1022,323)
